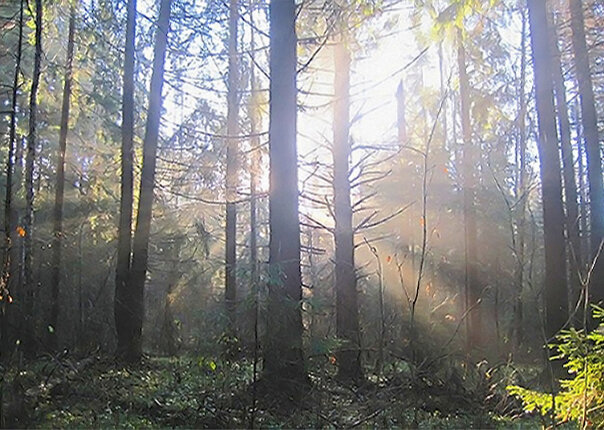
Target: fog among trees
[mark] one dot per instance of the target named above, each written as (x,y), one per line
(302,214)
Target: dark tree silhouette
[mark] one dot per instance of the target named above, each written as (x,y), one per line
(28,280)
(551,183)
(232,170)
(122,307)
(6,281)
(140,246)
(347,312)
(593,150)
(472,291)
(283,357)
(57,244)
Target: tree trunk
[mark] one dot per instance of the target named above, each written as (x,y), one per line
(134,299)
(122,312)
(28,287)
(347,310)
(568,170)
(255,121)
(472,292)
(254,172)
(231,172)
(583,225)
(547,143)
(520,191)
(7,281)
(283,356)
(592,146)
(57,242)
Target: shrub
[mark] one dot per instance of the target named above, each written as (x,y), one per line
(581,398)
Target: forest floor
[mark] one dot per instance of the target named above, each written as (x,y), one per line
(198,392)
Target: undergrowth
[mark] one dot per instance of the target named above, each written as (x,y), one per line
(581,397)
(202,392)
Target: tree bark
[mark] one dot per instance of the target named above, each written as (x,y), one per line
(254,171)
(589,120)
(551,184)
(28,279)
(583,198)
(231,172)
(568,170)
(520,191)
(472,292)
(283,356)
(134,299)
(57,242)
(347,310)
(122,311)
(7,281)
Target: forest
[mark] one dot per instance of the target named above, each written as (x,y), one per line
(301,214)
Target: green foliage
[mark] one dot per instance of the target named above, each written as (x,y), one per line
(581,398)
(533,400)
(207,392)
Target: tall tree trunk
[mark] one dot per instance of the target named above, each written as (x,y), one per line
(231,171)
(134,299)
(583,226)
(123,314)
(592,145)
(7,281)
(254,110)
(551,184)
(568,169)
(347,310)
(520,191)
(28,278)
(57,242)
(469,209)
(283,355)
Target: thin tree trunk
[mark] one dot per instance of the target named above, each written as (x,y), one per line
(123,314)
(592,145)
(7,282)
(547,143)
(28,279)
(347,309)
(231,172)
(585,246)
(469,190)
(140,246)
(57,243)
(283,356)
(254,110)
(518,332)
(254,172)
(568,170)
